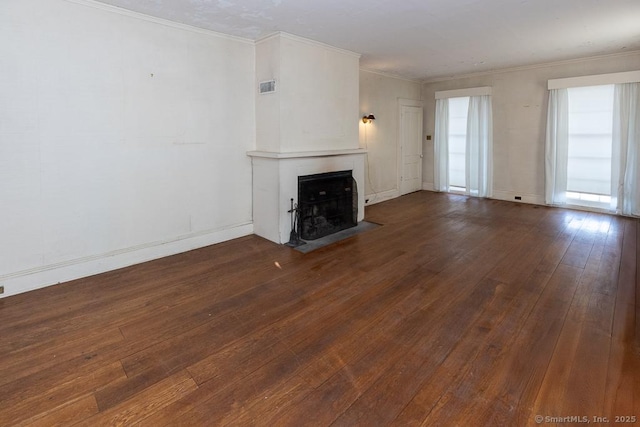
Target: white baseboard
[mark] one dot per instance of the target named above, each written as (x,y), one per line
(48,275)
(372,199)
(533,199)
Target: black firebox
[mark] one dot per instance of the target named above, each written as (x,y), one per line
(327,203)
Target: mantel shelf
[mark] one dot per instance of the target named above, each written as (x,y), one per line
(303,154)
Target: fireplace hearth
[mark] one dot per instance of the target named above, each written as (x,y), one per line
(327,203)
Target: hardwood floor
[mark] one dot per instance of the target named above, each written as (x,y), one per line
(457,311)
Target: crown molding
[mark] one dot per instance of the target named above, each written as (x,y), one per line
(160,21)
(389,75)
(310,42)
(533,66)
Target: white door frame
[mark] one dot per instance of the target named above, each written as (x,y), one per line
(402,102)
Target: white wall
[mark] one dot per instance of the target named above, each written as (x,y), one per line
(122,138)
(316,103)
(519,120)
(268,117)
(379,96)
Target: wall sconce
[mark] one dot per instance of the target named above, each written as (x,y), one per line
(368,119)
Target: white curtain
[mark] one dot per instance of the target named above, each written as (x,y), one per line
(479,167)
(557,147)
(441,146)
(625,191)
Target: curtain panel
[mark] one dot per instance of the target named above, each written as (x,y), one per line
(479,167)
(441,146)
(557,147)
(625,191)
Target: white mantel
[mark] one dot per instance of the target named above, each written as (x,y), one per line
(292,155)
(275,183)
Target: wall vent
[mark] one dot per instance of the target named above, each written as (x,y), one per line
(268,86)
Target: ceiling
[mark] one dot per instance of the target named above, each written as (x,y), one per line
(424,39)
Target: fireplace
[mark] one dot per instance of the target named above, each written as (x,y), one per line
(327,203)
(275,185)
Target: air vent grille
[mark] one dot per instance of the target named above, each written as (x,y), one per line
(268,86)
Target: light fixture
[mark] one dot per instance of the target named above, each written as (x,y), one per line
(368,119)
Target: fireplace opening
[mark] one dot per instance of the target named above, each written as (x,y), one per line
(327,203)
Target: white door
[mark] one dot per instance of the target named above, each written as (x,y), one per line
(410,148)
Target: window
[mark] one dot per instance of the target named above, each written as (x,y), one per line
(592,146)
(458,109)
(590,132)
(463,141)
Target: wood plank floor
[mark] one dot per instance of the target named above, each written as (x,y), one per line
(457,311)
